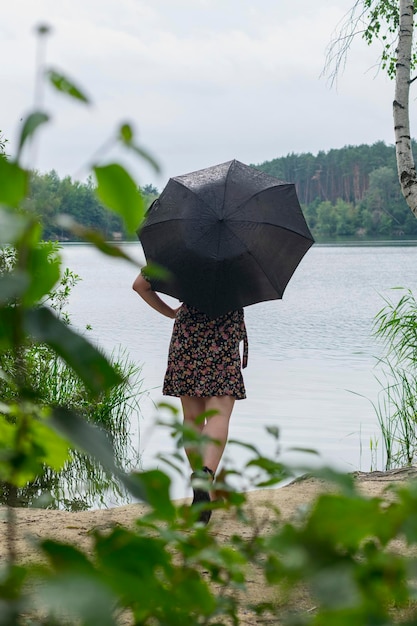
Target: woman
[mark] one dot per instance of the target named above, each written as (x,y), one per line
(204,371)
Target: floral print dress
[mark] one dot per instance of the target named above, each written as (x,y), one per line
(204,358)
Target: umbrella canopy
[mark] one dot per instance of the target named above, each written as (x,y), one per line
(229,236)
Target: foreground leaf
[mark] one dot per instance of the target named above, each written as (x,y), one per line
(119,192)
(93,237)
(30,126)
(12,286)
(95,442)
(91,366)
(66,86)
(27,444)
(156,487)
(7,320)
(77,598)
(126,136)
(14,185)
(43,272)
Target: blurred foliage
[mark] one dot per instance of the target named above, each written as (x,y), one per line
(168,569)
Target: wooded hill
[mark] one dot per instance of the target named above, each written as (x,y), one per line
(352,192)
(342,174)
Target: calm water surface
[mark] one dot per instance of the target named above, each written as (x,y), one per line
(312,357)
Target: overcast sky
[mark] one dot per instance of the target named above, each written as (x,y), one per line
(202,81)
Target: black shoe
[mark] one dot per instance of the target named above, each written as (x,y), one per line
(201,495)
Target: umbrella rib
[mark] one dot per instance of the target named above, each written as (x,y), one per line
(290,230)
(238,208)
(281,291)
(195,194)
(256,261)
(250,221)
(247,221)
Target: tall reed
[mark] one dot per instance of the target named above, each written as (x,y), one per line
(83,482)
(396,327)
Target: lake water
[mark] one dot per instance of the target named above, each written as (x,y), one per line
(312,357)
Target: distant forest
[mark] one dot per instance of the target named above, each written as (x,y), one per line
(50,195)
(352,192)
(348,193)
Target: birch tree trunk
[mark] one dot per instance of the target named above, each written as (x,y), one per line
(405,160)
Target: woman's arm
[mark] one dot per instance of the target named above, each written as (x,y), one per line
(144,289)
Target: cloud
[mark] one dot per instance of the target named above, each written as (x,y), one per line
(202,80)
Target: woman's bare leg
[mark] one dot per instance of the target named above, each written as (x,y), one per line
(192,408)
(216,427)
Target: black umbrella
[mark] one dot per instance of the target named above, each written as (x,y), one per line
(229,236)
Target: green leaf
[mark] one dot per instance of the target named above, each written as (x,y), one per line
(76,598)
(31,124)
(30,238)
(273,431)
(91,366)
(55,448)
(64,85)
(43,30)
(126,136)
(63,556)
(271,467)
(336,587)
(14,185)
(156,486)
(95,442)
(126,133)
(346,482)
(6,328)
(145,155)
(85,436)
(119,192)
(357,519)
(129,557)
(304,450)
(7,432)
(13,285)
(43,273)
(26,445)
(153,271)
(194,594)
(248,446)
(93,237)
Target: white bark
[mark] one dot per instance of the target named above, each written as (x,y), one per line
(405,160)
